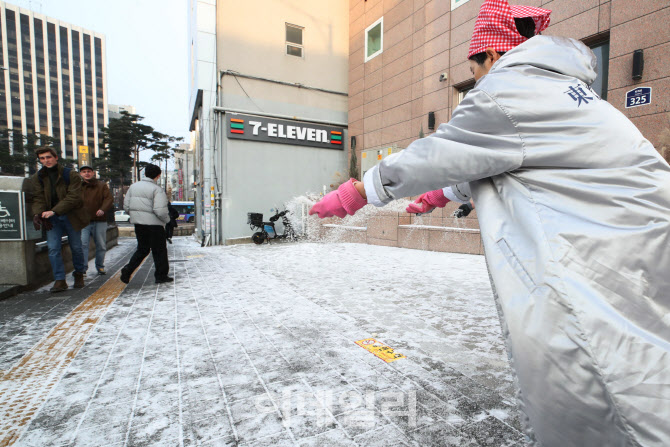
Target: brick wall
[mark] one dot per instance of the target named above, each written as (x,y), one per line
(437,231)
(391,95)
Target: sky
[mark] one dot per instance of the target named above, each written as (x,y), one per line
(147,53)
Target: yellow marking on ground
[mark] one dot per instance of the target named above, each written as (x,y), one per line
(379,349)
(25,387)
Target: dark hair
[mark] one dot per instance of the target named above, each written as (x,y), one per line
(525,26)
(152,171)
(43,149)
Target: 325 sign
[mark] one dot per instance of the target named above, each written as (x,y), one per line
(640,96)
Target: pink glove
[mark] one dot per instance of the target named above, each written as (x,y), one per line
(345,200)
(427,202)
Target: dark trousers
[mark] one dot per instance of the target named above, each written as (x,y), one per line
(169,230)
(150,238)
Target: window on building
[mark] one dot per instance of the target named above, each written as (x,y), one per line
(294,45)
(602,52)
(464,91)
(374,39)
(461,90)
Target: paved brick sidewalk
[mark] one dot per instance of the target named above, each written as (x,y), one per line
(255,346)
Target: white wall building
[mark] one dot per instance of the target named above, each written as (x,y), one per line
(115,110)
(269,105)
(202,88)
(182,176)
(53,80)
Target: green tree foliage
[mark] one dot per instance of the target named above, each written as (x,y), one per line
(353,165)
(120,145)
(163,146)
(17,151)
(122,141)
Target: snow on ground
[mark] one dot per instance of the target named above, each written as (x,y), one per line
(445,297)
(34,314)
(112,256)
(255,345)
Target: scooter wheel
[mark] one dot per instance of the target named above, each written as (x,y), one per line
(258,238)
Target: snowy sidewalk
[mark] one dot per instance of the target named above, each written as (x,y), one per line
(255,346)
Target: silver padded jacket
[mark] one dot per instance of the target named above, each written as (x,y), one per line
(574,210)
(146,203)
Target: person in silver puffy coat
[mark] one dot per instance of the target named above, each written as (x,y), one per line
(147,205)
(574,210)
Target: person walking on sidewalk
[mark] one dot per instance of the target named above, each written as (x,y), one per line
(147,205)
(57,204)
(97,201)
(170,226)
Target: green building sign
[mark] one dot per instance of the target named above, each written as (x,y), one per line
(11,212)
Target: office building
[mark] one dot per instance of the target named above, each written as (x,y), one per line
(115,110)
(409,70)
(53,80)
(182,177)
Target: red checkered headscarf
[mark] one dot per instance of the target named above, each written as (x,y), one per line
(495,27)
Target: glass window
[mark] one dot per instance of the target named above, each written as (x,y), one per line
(374,39)
(53,81)
(294,45)
(76,76)
(293,51)
(3,98)
(463,92)
(293,34)
(602,52)
(88,74)
(97,43)
(13,64)
(41,78)
(67,100)
(27,73)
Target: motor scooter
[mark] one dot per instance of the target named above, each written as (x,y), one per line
(267,229)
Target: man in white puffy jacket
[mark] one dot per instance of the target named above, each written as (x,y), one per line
(147,205)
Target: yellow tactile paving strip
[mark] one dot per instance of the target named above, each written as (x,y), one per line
(25,387)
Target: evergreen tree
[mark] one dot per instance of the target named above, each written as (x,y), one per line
(17,151)
(163,147)
(122,141)
(353,165)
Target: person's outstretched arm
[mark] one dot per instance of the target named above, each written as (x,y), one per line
(439,198)
(480,141)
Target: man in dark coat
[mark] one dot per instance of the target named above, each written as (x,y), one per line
(57,205)
(97,201)
(170,226)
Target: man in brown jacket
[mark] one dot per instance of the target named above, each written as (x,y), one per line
(57,205)
(97,201)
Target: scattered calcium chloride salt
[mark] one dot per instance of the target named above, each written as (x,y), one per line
(311,226)
(499,413)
